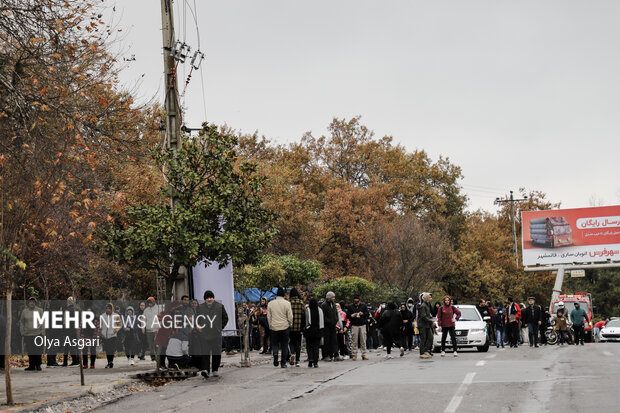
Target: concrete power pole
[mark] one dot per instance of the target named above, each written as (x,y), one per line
(512,201)
(173,52)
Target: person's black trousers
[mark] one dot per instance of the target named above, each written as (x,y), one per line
(513,333)
(331,342)
(182,362)
(34,352)
(426,339)
(295,344)
(444,333)
(312,346)
(578,334)
(279,340)
(532,332)
(210,363)
(109,347)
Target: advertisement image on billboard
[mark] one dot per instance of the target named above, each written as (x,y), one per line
(562,236)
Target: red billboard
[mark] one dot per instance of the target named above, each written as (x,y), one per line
(571,235)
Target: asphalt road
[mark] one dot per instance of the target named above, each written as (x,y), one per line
(547,379)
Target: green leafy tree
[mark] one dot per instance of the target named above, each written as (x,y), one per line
(298,271)
(346,287)
(218,213)
(272,271)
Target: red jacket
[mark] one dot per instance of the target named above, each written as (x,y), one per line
(445,315)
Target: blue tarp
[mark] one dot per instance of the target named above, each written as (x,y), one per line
(254,295)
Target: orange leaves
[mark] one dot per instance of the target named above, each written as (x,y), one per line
(36,40)
(104,102)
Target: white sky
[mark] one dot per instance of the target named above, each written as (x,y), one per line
(518,93)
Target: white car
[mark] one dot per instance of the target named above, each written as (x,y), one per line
(471,331)
(611,330)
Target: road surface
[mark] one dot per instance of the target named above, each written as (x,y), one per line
(551,379)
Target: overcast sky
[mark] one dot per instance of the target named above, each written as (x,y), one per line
(517,93)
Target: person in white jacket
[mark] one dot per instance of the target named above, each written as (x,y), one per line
(151,325)
(110,324)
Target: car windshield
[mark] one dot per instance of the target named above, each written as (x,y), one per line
(613,323)
(570,306)
(469,314)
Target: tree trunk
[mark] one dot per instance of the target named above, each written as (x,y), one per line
(7,345)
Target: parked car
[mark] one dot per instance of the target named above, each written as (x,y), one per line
(611,330)
(471,331)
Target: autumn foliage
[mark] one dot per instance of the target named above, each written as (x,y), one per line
(76,157)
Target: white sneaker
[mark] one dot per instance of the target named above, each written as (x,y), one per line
(132,363)
(443,354)
(456,354)
(388,356)
(347,357)
(402,351)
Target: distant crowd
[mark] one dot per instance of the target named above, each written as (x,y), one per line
(331,330)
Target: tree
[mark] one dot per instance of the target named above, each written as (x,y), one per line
(604,285)
(406,254)
(345,288)
(218,213)
(330,191)
(61,115)
(266,275)
(271,272)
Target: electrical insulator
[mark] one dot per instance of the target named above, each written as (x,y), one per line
(197,59)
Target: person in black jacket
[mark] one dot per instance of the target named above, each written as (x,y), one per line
(331,317)
(358,314)
(533,320)
(313,331)
(211,319)
(407,328)
(391,324)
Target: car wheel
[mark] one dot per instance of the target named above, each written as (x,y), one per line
(485,348)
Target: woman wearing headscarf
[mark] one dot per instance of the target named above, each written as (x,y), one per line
(110,324)
(391,323)
(131,339)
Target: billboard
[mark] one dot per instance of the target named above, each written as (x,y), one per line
(561,236)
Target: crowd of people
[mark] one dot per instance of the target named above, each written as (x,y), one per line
(331,330)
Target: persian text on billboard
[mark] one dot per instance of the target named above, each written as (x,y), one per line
(580,235)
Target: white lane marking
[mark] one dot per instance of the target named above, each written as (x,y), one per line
(608,353)
(458,396)
(491,356)
(481,363)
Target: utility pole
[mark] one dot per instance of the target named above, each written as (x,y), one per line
(512,201)
(173,52)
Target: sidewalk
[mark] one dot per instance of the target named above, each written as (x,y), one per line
(57,384)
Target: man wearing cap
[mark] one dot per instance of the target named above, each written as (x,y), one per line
(331,318)
(533,320)
(358,314)
(30,332)
(280,318)
(151,325)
